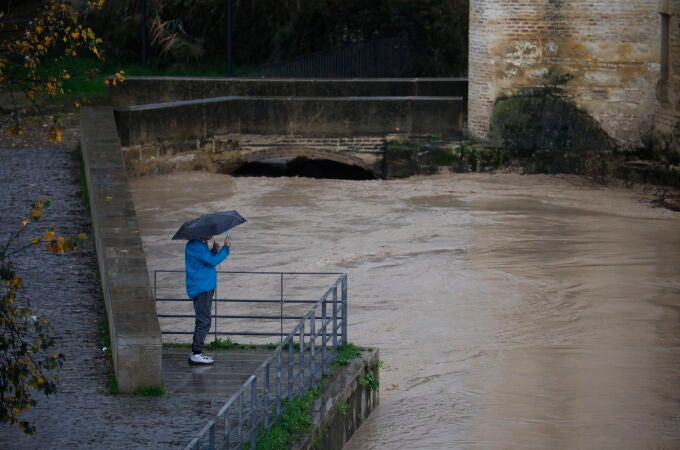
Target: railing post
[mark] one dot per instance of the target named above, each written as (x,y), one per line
(211,443)
(226,430)
(253,412)
(281,319)
(324,336)
(312,349)
(302,356)
(278,382)
(240,419)
(265,397)
(290,369)
(334,327)
(344,310)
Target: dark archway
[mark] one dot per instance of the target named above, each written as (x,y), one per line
(302,166)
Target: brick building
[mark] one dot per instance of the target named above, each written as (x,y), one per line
(623,57)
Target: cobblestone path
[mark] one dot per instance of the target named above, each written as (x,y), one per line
(65,290)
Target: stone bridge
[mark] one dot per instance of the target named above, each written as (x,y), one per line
(169,124)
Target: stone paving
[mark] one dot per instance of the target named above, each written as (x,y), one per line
(65,290)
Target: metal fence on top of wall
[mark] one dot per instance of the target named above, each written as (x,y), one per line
(303,356)
(376,58)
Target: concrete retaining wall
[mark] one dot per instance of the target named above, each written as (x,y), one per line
(133,323)
(142,90)
(300,116)
(344,405)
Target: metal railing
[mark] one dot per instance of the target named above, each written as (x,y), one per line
(386,57)
(297,364)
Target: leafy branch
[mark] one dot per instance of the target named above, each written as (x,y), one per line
(24,336)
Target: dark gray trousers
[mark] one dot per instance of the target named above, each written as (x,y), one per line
(202,308)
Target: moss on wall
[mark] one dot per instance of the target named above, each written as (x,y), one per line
(545,121)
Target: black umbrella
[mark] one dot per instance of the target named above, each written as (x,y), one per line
(209,225)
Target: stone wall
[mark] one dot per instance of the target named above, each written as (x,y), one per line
(611,49)
(226,153)
(291,116)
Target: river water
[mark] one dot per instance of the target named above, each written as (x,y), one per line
(510,311)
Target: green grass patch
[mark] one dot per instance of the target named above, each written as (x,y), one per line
(346,354)
(225,344)
(295,420)
(150,391)
(112,383)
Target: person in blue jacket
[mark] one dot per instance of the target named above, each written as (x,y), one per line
(201,280)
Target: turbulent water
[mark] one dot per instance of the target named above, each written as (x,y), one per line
(510,311)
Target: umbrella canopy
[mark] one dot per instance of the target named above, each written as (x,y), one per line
(209,225)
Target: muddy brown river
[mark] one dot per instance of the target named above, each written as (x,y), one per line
(510,311)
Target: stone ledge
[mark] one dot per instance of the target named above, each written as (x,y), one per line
(317,117)
(133,323)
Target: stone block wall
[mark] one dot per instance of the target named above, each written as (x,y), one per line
(611,49)
(226,153)
(291,116)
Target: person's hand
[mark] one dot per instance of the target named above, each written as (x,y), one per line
(227,241)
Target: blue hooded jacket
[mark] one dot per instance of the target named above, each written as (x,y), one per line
(200,263)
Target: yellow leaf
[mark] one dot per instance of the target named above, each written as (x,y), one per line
(36,240)
(36,213)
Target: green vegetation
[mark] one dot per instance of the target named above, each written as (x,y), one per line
(295,420)
(346,354)
(341,407)
(370,378)
(150,391)
(189,34)
(228,344)
(296,416)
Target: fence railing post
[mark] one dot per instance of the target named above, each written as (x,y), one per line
(290,369)
(344,310)
(334,329)
(253,412)
(265,397)
(278,382)
(226,430)
(302,356)
(324,336)
(312,349)
(240,419)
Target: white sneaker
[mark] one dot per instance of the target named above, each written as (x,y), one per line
(200,359)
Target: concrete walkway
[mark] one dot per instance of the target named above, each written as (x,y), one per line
(65,289)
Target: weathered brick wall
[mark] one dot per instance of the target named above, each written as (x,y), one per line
(611,48)
(668,115)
